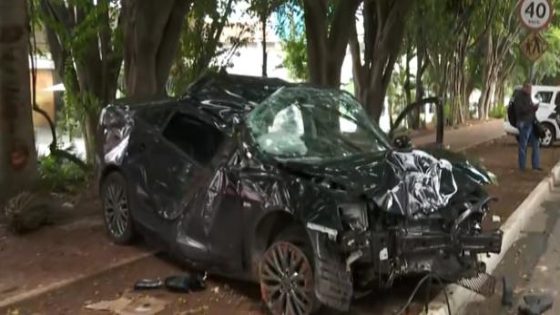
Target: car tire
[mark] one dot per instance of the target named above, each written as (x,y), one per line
(116,209)
(549,137)
(286,275)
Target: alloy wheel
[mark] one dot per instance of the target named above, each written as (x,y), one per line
(116,209)
(286,279)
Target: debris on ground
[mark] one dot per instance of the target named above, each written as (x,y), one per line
(536,304)
(110,306)
(197,310)
(148,284)
(507,292)
(27,212)
(186,283)
(144,305)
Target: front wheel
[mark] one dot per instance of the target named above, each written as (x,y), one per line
(286,276)
(116,209)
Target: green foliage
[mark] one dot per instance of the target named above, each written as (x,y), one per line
(295,57)
(200,49)
(60,175)
(499,111)
(86,42)
(291,30)
(548,67)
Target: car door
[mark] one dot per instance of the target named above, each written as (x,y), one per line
(546,106)
(172,176)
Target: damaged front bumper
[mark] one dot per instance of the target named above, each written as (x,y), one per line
(352,260)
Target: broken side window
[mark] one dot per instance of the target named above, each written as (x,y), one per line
(197,139)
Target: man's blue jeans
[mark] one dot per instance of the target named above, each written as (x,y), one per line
(526,136)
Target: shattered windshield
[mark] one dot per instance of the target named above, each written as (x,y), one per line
(314,124)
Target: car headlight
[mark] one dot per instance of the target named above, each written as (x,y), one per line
(354,216)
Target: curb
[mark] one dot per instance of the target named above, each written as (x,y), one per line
(460,297)
(10,301)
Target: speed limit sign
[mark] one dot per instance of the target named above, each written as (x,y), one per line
(535,14)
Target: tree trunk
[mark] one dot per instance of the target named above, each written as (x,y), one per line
(421,64)
(383,34)
(414,116)
(18,157)
(327,42)
(152,31)
(264,53)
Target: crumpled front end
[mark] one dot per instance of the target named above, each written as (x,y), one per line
(427,216)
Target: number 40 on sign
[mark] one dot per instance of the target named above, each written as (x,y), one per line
(535,14)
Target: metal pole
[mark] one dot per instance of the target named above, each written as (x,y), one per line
(532,73)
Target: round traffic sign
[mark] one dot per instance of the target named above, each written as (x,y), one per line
(535,14)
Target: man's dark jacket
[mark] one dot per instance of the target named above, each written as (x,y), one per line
(523,105)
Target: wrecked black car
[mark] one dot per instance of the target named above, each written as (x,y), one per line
(289,186)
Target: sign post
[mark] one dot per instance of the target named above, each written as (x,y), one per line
(535,16)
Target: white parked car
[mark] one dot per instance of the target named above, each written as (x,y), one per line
(548,98)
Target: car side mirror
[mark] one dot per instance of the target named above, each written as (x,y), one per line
(402,142)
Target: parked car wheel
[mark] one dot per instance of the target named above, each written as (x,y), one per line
(116,209)
(549,136)
(286,275)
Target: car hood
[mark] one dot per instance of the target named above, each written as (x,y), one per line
(400,182)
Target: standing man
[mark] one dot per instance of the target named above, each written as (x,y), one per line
(525,113)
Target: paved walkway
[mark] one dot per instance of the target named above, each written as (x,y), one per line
(465,137)
(532,264)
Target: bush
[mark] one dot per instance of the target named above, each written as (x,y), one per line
(499,111)
(59,175)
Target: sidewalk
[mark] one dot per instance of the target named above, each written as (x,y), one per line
(54,256)
(465,137)
(532,265)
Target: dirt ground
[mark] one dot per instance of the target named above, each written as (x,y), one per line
(431,128)
(500,157)
(76,245)
(53,253)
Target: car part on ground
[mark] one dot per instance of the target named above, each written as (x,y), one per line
(218,174)
(186,283)
(507,292)
(536,304)
(148,284)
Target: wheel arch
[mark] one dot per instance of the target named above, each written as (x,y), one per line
(267,227)
(111,168)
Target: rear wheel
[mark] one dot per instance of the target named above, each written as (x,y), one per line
(116,209)
(286,275)
(549,137)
